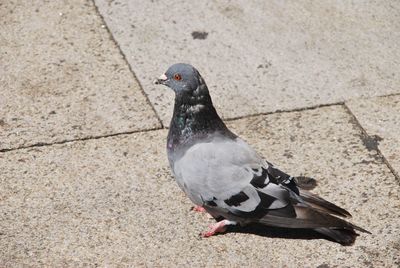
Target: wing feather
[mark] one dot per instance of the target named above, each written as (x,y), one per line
(230,174)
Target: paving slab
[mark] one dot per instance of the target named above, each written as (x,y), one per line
(112,201)
(262,56)
(62,77)
(380,117)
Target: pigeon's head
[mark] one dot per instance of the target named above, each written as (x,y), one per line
(181,78)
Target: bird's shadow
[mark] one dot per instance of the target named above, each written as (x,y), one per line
(277,232)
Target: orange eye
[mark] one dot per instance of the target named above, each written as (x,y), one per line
(177,77)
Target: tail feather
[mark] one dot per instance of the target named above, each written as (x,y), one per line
(321,204)
(308,217)
(346,237)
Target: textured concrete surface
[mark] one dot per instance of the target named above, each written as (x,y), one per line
(62,77)
(380,117)
(263,56)
(111,201)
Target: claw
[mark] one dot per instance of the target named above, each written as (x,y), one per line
(198,209)
(218,227)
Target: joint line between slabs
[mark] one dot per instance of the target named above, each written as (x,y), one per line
(380,154)
(126,61)
(286,111)
(45,144)
(42,144)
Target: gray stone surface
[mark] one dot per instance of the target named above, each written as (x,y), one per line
(62,77)
(111,201)
(262,56)
(380,117)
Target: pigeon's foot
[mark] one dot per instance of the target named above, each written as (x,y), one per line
(198,209)
(202,210)
(218,227)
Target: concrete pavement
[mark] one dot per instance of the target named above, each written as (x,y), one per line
(84,176)
(380,117)
(63,78)
(112,201)
(263,55)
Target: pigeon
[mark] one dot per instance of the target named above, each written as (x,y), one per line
(224,176)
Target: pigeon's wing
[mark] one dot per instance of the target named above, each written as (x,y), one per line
(300,185)
(227,171)
(230,179)
(302,182)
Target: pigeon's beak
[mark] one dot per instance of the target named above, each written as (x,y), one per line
(161,80)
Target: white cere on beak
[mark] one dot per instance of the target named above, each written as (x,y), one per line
(161,79)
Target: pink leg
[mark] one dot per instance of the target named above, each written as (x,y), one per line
(198,209)
(218,227)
